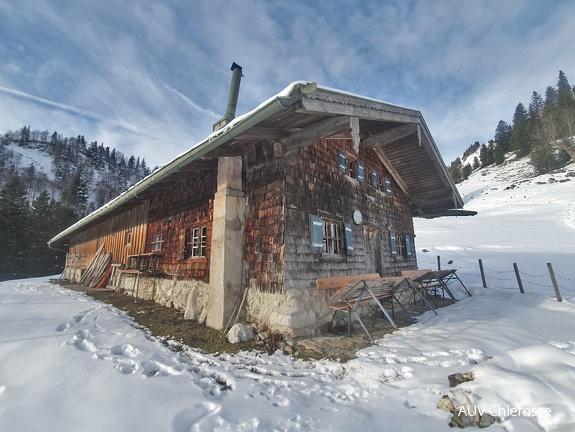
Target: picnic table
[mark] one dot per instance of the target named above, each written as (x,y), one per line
(353,291)
(432,280)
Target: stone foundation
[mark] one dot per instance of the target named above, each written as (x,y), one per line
(299,312)
(190,296)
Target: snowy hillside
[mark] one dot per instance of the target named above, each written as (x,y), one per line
(90,172)
(39,159)
(522,218)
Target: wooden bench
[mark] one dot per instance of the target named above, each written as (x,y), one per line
(346,293)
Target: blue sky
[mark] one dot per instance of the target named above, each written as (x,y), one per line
(151,77)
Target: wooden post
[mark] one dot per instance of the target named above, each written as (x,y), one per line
(438,262)
(554,282)
(518,278)
(482,273)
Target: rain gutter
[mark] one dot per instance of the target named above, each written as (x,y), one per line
(291,94)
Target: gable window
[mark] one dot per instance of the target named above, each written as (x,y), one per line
(330,237)
(157,241)
(350,166)
(387,185)
(400,245)
(199,241)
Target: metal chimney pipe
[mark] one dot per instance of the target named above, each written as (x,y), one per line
(234,92)
(233,97)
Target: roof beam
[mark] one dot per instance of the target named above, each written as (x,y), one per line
(324,129)
(393,134)
(264,133)
(389,167)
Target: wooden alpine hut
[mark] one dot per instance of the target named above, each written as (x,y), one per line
(313,183)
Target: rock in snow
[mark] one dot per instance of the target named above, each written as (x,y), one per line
(240,333)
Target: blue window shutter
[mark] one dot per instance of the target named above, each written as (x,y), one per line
(348,239)
(393,244)
(316,228)
(360,172)
(407,238)
(374,178)
(388,185)
(342,164)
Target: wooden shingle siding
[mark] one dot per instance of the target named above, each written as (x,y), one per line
(316,186)
(184,206)
(264,219)
(113,232)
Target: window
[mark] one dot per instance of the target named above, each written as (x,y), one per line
(400,239)
(128,238)
(351,167)
(400,245)
(199,241)
(330,237)
(157,241)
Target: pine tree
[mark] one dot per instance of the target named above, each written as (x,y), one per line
(14,212)
(455,170)
(41,227)
(79,192)
(466,171)
(535,106)
(520,140)
(486,156)
(475,163)
(564,92)
(503,135)
(551,97)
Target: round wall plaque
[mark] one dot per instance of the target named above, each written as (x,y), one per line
(357,217)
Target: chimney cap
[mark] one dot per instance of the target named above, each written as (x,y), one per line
(235,66)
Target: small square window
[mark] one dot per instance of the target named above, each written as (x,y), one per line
(157,241)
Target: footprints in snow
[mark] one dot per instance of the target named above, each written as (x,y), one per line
(197,417)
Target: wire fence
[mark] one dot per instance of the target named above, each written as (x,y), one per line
(514,278)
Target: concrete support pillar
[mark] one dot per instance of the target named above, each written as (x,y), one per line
(226,258)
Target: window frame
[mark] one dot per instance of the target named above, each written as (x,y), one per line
(401,245)
(128,238)
(198,243)
(157,242)
(333,237)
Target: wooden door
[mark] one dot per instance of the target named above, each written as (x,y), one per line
(372,250)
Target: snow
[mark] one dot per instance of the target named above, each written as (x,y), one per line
(72,363)
(41,161)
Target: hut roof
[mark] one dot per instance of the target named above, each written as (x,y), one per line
(298,115)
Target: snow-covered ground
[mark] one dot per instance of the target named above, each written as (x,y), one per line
(525,220)
(70,363)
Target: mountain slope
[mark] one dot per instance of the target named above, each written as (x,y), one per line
(522,218)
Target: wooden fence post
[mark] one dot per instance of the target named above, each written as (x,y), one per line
(518,278)
(438,262)
(554,282)
(482,273)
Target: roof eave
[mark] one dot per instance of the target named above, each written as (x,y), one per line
(273,105)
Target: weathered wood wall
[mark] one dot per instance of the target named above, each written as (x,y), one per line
(314,185)
(264,218)
(181,207)
(113,232)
